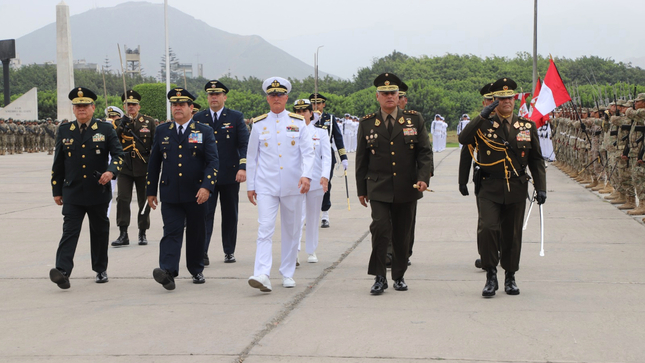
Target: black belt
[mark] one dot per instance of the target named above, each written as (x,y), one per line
(639,128)
(613,133)
(502,175)
(597,133)
(625,127)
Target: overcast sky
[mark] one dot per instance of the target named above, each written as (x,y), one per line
(355,32)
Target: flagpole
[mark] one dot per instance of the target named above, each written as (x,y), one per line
(165,16)
(535,7)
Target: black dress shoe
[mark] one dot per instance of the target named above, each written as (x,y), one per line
(101,277)
(509,284)
(478,263)
(123,239)
(164,278)
(324,224)
(198,279)
(491,283)
(229,258)
(142,237)
(380,284)
(400,285)
(59,278)
(207,261)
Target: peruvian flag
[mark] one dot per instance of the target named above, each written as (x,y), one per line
(536,94)
(552,94)
(524,111)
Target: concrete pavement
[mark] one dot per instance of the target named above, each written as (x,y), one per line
(582,302)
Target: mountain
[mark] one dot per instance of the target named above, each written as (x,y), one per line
(96,33)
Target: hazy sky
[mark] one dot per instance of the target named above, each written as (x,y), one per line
(355,32)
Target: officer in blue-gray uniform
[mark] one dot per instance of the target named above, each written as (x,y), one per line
(335,135)
(188,153)
(232,138)
(80,174)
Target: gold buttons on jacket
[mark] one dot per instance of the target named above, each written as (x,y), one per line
(391,142)
(83,146)
(393,163)
(392,152)
(84,176)
(179,174)
(180,165)
(394,174)
(83,166)
(280,167)
(280,155)
(83,156)
(181,156)
(180,146)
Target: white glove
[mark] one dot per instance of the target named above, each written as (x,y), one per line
(345,164)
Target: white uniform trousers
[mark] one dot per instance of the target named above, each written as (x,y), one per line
(290,217)
(310,217)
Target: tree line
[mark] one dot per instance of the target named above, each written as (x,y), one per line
(447,84)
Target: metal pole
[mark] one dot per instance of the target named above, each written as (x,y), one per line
(535,72)
(165,17)
(316,70)
(5,75)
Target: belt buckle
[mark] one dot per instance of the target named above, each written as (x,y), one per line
(132,154)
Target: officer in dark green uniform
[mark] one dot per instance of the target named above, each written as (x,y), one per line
(506,144)
(80,173)
(136,132)
(393,167)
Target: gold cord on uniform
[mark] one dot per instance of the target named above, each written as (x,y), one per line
(132,146)
(495,146)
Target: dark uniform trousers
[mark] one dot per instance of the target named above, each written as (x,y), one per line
(73,215)
(229,195)
(491,238)
(175,216)
(388,220)
(124,198)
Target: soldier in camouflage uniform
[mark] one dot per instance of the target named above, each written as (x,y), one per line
(625,186)
(635,151)
(3,137)
(11,136)
(50,136)
(20,137)
(28,138)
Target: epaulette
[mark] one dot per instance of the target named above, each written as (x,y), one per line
(320,126)
(410,112)
(524,119)
(260,118)
(295,115)
(368,116)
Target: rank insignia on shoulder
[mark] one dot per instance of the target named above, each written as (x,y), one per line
(72,128)
(411,112)
(295,115)
(260,118)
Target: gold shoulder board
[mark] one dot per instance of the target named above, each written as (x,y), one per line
(260,118)
(295,115)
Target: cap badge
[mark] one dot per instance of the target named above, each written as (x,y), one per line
(275,84)
(505,88)
(387,83)
(178,94)
(80,93)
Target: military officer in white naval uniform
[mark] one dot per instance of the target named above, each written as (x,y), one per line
(320,180)
(279,167)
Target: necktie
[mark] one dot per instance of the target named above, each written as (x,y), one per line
(83,128)
(181,130)
(507,128)
(215,118)
(389,121)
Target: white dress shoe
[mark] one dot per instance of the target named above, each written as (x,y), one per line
(288,282)
(312,258)
(261,282)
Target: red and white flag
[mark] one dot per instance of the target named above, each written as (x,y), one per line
(536,95)
(524,111)
(552,94)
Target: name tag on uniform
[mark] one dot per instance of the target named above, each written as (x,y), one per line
(524,135)
(195,138)
(293,128)
(409,131)
(98,138)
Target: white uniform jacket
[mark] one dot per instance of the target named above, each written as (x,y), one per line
(280,152)
(322,158)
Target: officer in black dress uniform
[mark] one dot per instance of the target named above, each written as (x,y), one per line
(335,135)
(232,138)
(80,174)
(188,153)
(136,132)
(506,145)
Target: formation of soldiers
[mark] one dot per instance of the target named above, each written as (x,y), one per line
(603,148)
(34,136)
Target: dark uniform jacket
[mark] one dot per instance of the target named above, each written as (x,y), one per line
(77,158)
(387,166)
(232,139)
(523,150)
(335,135)
(137,152)
(190,162)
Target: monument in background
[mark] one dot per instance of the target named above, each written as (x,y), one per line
(64,62)
(24,107)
